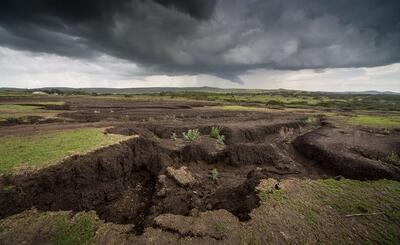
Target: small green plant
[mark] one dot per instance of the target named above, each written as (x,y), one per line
(126,118)
(221,139)
(311,120)
(220,227)
(191,134)
(216,134)
(173,136)
(393,158)
(214,174)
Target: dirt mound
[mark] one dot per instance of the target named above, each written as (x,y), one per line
(126,183)
(240,154)
(351,153)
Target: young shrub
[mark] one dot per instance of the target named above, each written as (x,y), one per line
(214,174)
(191,134)
(173,136)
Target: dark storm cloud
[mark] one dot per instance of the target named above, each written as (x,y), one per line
(225,38)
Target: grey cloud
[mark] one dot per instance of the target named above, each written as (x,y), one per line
(225,38)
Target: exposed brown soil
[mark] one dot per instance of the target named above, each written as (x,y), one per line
(129,183)
(352,153)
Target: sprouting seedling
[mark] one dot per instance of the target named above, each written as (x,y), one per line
(214,174)
(173,136)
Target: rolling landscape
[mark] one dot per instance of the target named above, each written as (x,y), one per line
(199,122)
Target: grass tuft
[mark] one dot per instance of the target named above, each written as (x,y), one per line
(80,231)
(393,159)
(220,227)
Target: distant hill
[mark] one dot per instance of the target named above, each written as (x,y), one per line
(153,90)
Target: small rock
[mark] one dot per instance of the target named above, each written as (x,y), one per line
(162,192)
(162,178)
(182,176)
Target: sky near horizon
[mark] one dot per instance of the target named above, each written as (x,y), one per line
(311,45)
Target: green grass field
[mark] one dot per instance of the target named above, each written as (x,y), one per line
(20,111)
(61,228)
(378,121)
(37,151)
(365,211)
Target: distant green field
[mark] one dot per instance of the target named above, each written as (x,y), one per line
(19,111)
(41,150)
(300,99)
(379,121)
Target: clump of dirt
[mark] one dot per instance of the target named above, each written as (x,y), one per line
(244,153)
(182,176)
(351,153)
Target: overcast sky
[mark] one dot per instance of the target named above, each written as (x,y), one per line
(339,45)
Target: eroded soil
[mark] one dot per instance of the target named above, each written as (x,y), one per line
(158,184)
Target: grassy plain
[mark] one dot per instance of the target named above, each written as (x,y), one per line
(35,151)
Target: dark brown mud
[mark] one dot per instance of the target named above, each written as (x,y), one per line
(352,153)
(128,183)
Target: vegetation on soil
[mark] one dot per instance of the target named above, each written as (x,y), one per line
(279,97)
(173,136)
(272,195)
(311,120)
(81,230)
(18,113)
(243,108)
(381,121)
(364,212)
(305,211)
(214,174)
(288,98)
(191,134)
(220,227)
(216,134)
(393,158)
(43,149)
(58,228)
